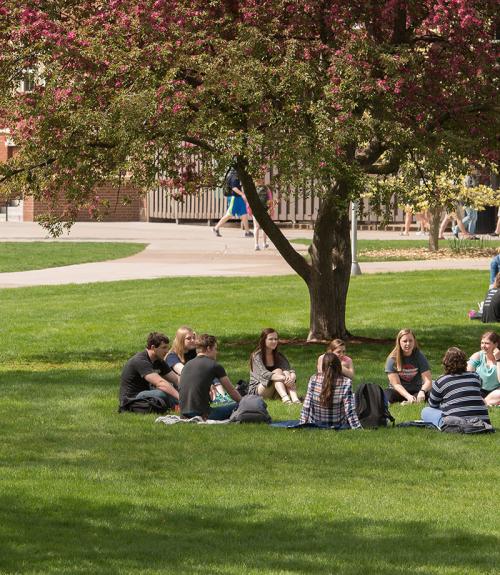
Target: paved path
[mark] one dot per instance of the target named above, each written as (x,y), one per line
(184,250)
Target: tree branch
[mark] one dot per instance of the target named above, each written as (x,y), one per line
(199,143)
(15,172)
(390,166)
(370,153)
(290,255)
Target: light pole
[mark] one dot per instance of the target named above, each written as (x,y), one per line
(355,269)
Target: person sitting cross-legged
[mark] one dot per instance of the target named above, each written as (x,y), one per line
(329,400)
(196,380)
(147,375)
(271,376)
(456,393)
(408,371)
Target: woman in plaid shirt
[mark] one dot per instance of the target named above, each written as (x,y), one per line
(329,400)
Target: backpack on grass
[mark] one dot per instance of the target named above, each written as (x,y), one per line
(467,425)
(371,406)
(251,409)
(144,405)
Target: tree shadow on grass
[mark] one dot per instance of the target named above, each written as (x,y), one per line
(74,536)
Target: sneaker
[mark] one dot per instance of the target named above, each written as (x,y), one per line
(249,234)
(420,234)
(216,232)
(494,234)
(473,238)
(404,234)
(257,248)
(454,231)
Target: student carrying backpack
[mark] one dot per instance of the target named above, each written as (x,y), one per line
(227,189)
(371,406)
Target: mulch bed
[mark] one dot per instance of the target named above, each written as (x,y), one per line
(425,254)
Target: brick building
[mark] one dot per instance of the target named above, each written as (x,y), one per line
(126,204)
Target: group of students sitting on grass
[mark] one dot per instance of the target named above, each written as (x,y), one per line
(190,380)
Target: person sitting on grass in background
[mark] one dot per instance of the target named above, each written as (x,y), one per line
(489,309)
(147,374)
(491,305)
(184,350)
(408,371)
(456,393)
(337,346)
(270,373)
(494,268)
(196,380)
(329,400)
(486,363)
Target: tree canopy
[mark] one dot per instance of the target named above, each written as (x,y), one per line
(325,91)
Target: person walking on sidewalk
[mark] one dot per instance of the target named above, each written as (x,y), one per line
(236,204)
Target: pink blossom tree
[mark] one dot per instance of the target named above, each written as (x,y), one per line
(331,92)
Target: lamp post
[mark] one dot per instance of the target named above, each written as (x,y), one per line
(355,269)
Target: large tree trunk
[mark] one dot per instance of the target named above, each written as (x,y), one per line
(331,260)
(327,276)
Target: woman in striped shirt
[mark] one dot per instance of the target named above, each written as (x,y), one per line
(457,392)
(329,400)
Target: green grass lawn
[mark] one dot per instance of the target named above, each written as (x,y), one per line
(23,256)
(404,250)
(86,490)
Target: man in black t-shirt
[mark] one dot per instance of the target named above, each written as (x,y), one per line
(147,375)
(197,378)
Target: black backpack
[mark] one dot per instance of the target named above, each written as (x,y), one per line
(371,406)
(227,189)
(242,387)
(144,405)
(251,409)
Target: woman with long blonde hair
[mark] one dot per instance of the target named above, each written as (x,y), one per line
(183,349)
(408,370)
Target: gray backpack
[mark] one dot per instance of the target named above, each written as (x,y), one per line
(251,409)
(453,424)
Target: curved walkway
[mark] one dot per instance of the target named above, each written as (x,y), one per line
(184,250)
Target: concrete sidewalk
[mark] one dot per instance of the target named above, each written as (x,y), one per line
(185,250)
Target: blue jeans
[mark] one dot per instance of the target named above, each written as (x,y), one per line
(432,415)
(171,401)
(470,220)
(219,413)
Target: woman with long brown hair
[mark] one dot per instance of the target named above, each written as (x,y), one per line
(270,373)
(408,370)
(329,400)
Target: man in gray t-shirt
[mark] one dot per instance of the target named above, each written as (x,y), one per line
(197,378)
